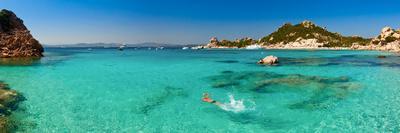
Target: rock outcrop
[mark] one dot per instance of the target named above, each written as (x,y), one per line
(387,35)
(300,43)
(9,100)
(269,60)
(213,42)
(15,38)
(387,40)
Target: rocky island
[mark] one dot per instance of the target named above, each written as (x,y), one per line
(15,38)
(307,35)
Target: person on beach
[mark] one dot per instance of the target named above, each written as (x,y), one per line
(206,98)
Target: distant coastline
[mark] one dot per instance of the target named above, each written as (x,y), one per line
(116,45)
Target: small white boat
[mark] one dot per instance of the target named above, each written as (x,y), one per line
(197,47)
(254,46)
(185,48)
(121,47)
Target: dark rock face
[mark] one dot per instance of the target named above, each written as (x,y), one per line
(15,38)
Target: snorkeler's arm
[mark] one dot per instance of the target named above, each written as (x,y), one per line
(216,103)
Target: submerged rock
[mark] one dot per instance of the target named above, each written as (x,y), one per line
(19,61)
(320,92)
(381,56)
(15,38)
(269,60)
(151,103)
(9,100)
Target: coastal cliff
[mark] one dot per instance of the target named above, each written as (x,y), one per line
(15,38)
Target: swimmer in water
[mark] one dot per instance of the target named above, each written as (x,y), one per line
(206,98)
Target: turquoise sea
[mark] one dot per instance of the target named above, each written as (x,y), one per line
(142,90)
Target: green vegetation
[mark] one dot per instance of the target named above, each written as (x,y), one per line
(2,14)
(307,30)
(390,39)
(240,43)
(348,41)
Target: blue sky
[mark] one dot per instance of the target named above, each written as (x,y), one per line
(194,21)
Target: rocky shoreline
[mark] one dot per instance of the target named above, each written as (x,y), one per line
(309,36)
(284,48)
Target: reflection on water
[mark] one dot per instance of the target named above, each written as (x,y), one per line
(19,61)
(50,58)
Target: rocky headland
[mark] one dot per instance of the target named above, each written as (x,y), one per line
(15,38)
(307,35)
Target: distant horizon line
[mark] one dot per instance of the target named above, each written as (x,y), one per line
(100,44)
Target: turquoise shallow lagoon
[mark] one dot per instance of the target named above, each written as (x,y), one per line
(141,90)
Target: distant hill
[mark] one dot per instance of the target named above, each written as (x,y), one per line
(303,35)
(289,33)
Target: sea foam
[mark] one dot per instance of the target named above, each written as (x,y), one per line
(237,106)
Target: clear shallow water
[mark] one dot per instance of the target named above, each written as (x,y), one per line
(105,90)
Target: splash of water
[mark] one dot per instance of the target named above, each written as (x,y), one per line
(235,105)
